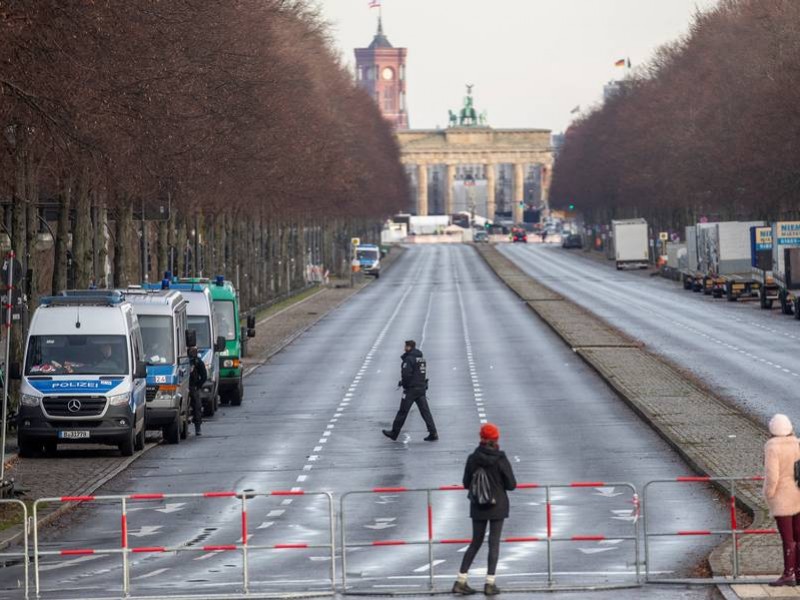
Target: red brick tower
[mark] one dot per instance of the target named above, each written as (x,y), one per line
(381,71)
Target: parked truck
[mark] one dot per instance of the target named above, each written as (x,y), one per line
(724,259)
(786,265)
(761,263)
(630,243)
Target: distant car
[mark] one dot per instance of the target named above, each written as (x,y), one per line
(572,240)
(480,237)
(519,235)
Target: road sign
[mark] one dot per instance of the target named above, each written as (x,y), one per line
(355,241)
(663,236)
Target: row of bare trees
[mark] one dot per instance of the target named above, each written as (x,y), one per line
(710,127)
(199,136)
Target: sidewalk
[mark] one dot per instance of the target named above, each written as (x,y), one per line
(79,470)
(713,437)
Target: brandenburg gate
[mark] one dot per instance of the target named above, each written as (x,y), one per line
(469,143)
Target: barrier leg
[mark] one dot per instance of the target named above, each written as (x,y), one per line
(26,563)
(735,551)
(430,540)
(245,574)
(36,548)
(636,536)
(343,525)
(549,536)
(126,575)
(332,524)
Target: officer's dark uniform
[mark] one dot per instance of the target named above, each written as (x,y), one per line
(414,380)
(197,378)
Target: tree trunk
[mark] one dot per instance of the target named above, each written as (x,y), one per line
(122,248)
(82,235)
(62,233)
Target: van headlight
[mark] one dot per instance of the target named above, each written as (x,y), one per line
(30,400)
(119,400)
(166,392)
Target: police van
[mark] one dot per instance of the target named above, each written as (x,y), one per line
(201,318)
(83,378)
(226,309)
(369,259)
(163,323)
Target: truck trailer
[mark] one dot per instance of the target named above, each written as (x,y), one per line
(725,259)
(786,265)
(630,243)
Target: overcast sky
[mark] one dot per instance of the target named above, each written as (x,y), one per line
(532,61)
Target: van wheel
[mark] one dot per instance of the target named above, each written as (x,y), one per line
(27,449)
(138,445)
(173,430)
(377,275)
(237,394)
(185,427)
(224,398)
(126,448)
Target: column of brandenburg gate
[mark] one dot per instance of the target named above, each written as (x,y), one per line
(469,141)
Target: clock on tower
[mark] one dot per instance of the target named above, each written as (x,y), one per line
(381,71)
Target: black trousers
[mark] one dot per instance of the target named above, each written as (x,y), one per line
(410,397)
(197,408)
(478,533)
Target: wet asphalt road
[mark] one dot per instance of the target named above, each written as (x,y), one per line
(311,421)
(745,354)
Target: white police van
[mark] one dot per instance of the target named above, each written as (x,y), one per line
(83,378)
(163,323)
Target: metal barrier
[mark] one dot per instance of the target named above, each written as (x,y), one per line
(734,532)
(23,556)
(125,550)
(549,539)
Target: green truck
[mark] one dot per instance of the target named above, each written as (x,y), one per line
(226,310)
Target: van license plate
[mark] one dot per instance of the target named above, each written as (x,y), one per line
(73,435)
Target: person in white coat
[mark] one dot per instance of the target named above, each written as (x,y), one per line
(782,494)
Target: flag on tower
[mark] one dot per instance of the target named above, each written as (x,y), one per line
(374,3)
(577,109)
(620,63)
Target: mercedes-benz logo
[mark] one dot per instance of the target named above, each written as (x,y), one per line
(74,406)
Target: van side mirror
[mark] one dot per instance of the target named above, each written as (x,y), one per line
(191,338)
(220,345)
(14,371)
(251,322)
(141,370)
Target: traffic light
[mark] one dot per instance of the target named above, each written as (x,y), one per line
(487,225)
(572,207)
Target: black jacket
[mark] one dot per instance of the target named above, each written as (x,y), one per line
(199,373)
(413,371)
(498,469)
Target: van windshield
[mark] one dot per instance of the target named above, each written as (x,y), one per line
(226,321)
(201,326)
(367,254)
(157,339)
(77,355)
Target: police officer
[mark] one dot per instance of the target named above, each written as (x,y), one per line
(414,381)
(197,378)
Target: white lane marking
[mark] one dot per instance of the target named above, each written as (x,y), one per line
(427,319)
(326,433)
(275,513)
(607,492)
(209,555)
(323,441)
(426,568)
(317,448)
(69,563)
(596,550)
(313,457)
(307,467)
(286,502)
(145,531)
(380,525)
(301,478)
(150,574)
(329,426)
(171,507)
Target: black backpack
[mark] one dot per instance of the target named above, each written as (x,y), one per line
(480,488)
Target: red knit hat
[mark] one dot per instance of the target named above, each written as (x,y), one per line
(490,432)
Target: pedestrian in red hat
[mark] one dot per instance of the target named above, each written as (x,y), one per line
(488,477)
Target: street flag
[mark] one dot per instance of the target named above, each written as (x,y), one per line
(577,109)
(374,3)
(620,63)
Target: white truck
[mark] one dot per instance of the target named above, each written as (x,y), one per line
(630,243)
(786,265)
(724,260)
